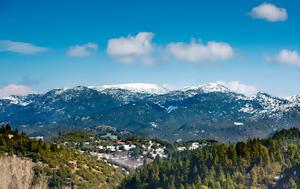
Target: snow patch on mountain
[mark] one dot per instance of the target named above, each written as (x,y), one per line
(153,125)
(268,102)
(171,108)
(18,100)
(293,99)
(236,123)
(247,109)
(137,88)
(210,87)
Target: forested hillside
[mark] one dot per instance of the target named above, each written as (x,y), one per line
(257,163)
(60,166)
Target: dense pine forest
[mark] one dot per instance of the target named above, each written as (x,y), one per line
(62,167)
(256,163)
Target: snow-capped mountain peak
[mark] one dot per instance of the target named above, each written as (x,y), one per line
(133,106)
(210,87)
(136,87)
(267,100)
(294,98)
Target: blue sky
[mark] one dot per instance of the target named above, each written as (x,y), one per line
(51,44)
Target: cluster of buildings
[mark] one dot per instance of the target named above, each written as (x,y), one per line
(130,156)
(116,148)
(192,146)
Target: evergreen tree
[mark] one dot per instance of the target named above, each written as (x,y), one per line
(292,184)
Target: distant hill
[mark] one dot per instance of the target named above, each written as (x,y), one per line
(209,111)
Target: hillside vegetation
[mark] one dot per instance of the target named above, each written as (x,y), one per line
(257,163)
(62,167)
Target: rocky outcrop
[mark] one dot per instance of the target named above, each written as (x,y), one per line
(17,173)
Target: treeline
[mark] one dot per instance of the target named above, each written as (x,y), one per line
(61,166)
(256,163)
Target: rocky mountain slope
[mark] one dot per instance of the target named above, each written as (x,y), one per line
(17,173)
(206,111)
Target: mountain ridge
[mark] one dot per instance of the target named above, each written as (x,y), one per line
(205,111)
(150,88)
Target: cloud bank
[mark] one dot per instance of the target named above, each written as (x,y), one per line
(20,47)
(269,12)
(239,87)
(198,52)
(14,89)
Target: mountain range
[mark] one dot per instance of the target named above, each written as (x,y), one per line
(210,111)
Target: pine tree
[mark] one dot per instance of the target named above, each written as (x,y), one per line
(292,184)
(197,181)
(253,177)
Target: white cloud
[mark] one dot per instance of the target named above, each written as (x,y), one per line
(239,87)
(20,47)
(286,56)
(198,52)
(14,89)
(141,44)
(132,48)
(140,48)
(82,50)
(269,12)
